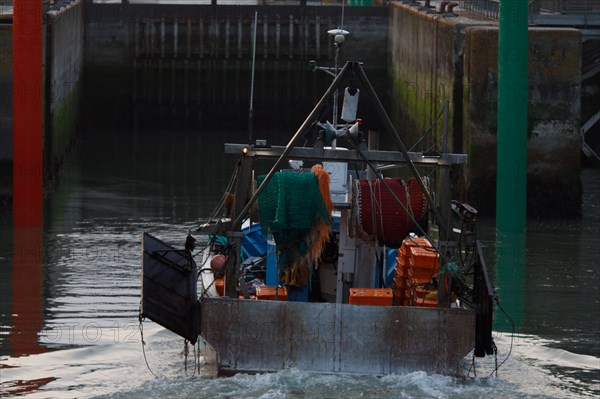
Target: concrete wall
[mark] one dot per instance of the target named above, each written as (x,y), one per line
(437,57)
(183,65)
(553,145)
(63,71)
(426,69)
(64,49)
(116,33)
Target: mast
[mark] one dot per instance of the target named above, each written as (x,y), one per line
(251,110)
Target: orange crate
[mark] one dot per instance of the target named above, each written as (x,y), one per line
(265,292)
(402,261)
(423,258)
(402,293)
(421,292)
(371,296)
(401,283)
(422,275)
(413,242)
(426,303)
(405,271)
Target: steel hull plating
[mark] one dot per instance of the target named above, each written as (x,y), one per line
(264,336)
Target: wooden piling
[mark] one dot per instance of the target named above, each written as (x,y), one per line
(175,37)
(265,37)
(188,34)
(277,36)
(227,32)
(201,38)
(291,35)
(239,36)
(162,37)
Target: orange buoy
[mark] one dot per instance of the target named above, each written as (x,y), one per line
(218,263)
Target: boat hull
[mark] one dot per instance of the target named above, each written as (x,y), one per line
(266,336)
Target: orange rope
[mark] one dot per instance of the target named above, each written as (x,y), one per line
(320,233)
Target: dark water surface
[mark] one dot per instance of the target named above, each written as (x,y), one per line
(69,303)
(79,336)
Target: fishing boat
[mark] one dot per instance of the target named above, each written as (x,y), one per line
(333,268)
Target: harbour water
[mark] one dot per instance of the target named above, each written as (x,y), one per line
(80,336)
(70,291)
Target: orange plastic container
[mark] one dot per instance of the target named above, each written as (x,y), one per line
(422,292)
(402,261)
(422,275)
(423,258)
(426,303)
(371,296)
(404,271)
(401,296)
(266,292)
(413,242)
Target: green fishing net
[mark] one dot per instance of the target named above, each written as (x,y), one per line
(290,206)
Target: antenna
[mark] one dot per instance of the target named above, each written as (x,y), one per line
(339,37)
(251,110)
(342,23)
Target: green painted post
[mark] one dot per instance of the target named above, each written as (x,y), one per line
(511,183)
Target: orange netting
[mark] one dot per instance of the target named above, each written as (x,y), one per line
(320,232)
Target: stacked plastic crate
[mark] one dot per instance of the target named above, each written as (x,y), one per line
(416,264)
(424,264)
(371,296)
(270,293)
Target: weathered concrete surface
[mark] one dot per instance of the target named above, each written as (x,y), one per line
(204,80)
(63,67)
(553,145)
(261,336)
(117,33)
(426,67)
(64,54)
(436,57)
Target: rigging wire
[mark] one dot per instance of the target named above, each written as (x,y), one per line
(439,115)
(342,23)
(186,352)
(218,208)
(495,349)
(512,338)
(141,319)
(398,201)
(230,184)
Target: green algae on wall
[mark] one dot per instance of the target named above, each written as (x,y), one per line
(65,121)
(434,58)
(553,148)
(64,86)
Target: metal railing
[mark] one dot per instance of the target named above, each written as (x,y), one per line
(486,8)
(569,6)
(490,8)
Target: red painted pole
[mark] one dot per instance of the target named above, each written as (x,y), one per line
(27,112)
(26,283)
(27,176)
